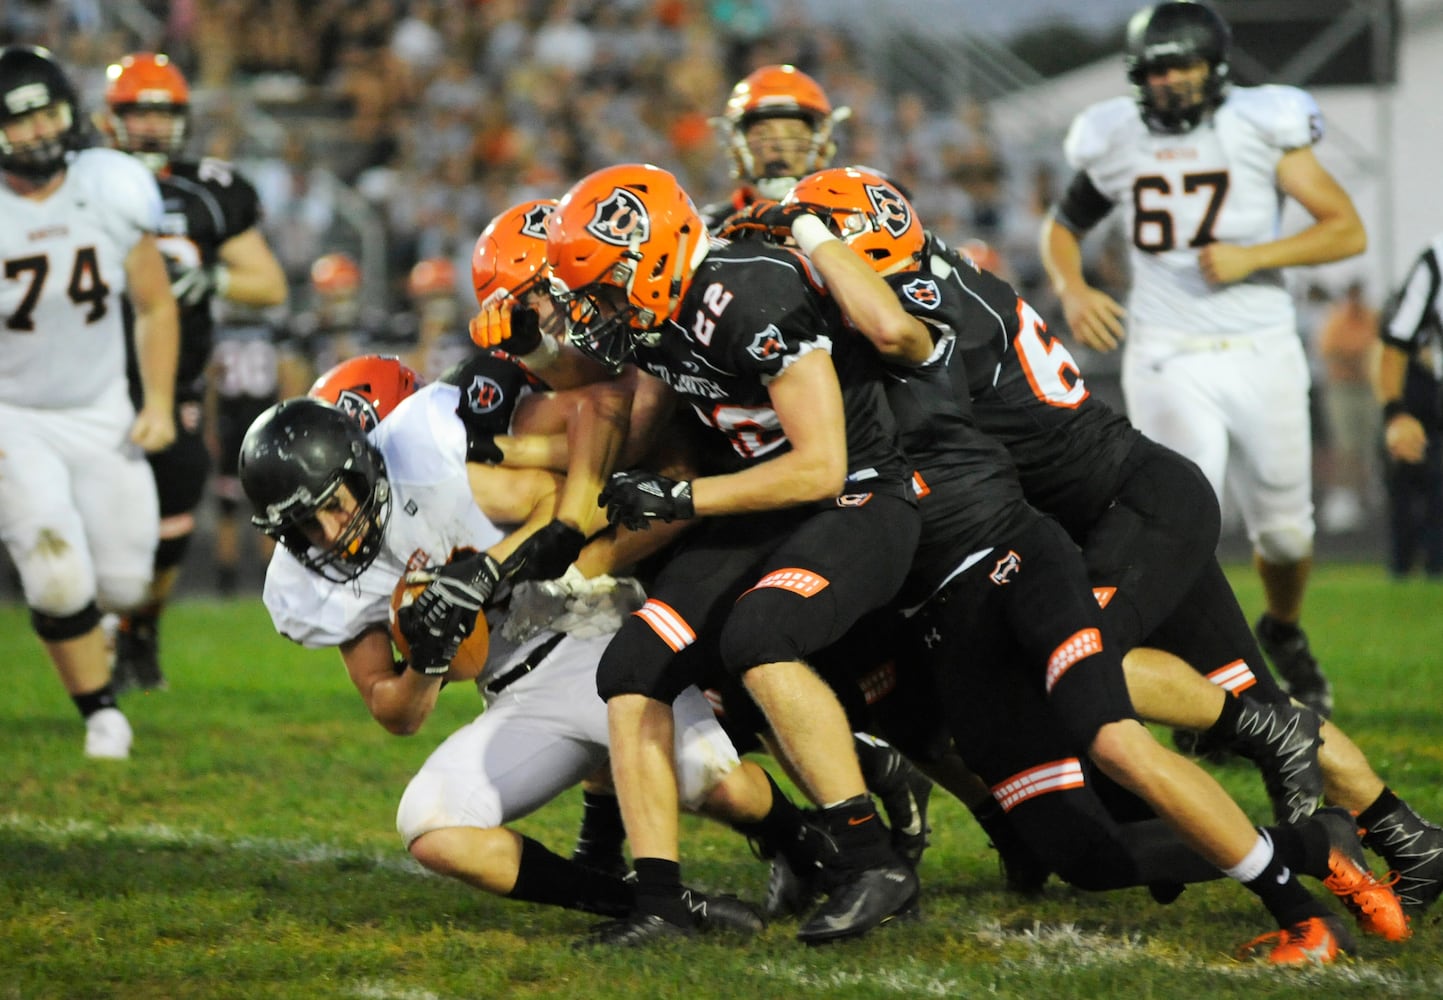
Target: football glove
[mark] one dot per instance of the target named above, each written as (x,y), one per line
(508,325)
(545,555)
(771,220)
(444,614)
(634,499)
(191,285)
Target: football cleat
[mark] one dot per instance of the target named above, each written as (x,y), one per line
(1413,847)
(1294,661)
(724,914)
(1315,941)
(1283,741)
(137,656)
(636,931)
(789,894)
(861,901)
(108,735)
(1372,903)
(903,792)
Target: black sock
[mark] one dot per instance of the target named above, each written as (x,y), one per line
(1278,888)
(1226,725)
(780,829)
(860,835)
(548,878)
(658,890)
(1277,630)
(1303,847)
(1385,803)
(89,704)
(599,840)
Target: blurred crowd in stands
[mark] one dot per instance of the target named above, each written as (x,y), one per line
(441,113)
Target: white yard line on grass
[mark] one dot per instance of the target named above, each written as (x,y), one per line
(162,835)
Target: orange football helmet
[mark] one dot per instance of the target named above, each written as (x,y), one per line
(510,254)
(432,276)
(147,81)
(367,387)
(622,247)
(778,91)
(983,254)
(335,274)
(868,212)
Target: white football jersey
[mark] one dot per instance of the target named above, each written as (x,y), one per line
(1216,183)
(433,514)
(62,337)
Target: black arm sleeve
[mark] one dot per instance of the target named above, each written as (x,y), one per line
(1082,205)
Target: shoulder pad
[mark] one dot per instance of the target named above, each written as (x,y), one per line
(1098,129)
(1286,117)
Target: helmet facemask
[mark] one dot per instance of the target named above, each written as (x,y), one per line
(40,158)
(357,547)
(601,320)
(154,150)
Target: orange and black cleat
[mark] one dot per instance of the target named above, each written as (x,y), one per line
(1315,941)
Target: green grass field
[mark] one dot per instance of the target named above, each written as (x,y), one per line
(248,850)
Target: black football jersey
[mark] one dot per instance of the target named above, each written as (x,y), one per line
(206,203)
(491,385)
(751,310)
(1025,387)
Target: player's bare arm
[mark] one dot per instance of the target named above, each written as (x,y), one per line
(871,304)
(1336,233)
(524,497)
(1403,433)
(157,343)
(253,275)
(400,700)
(807,400)
(1095,318)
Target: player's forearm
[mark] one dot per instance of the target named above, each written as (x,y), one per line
(871,305)
(1392,374)
(157,349)
(786,481)
(1061,252)
(253,276)
(255,287)
(1321,243)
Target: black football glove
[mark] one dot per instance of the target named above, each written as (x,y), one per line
(771,220)
(633,499)
(444,614)
(545,555)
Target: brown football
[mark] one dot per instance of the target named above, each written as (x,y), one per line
(470,659)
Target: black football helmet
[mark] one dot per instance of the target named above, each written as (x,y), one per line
(293,459)
(31,79)
(1173,34)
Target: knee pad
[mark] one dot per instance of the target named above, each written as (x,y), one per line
(704,756)
(1284,544)
(436,800)
(59,628)
(639,661)
(769,627)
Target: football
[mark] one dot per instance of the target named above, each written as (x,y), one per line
(470,659)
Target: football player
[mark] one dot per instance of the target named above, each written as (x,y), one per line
(213,247)
(244,379)
(78,509)
(1214,367)
(354,513)
(777,127)
(796,448)
(1123,497)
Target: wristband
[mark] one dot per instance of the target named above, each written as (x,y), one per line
(811,232)
(1393,408)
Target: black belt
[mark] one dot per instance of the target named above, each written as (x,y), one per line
(532,661)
